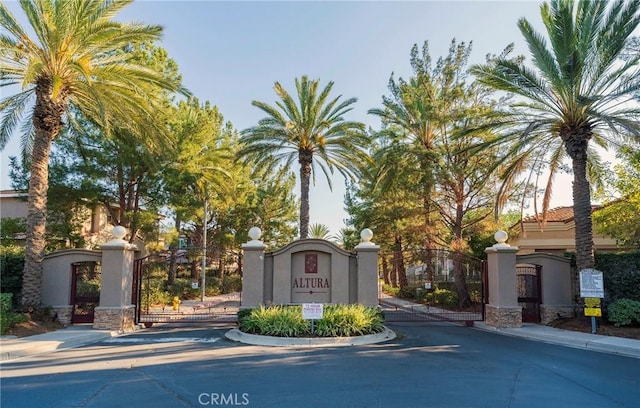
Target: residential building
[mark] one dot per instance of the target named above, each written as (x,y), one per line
(555,236)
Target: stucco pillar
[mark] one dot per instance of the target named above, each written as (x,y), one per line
(116,311)
(367,281)
(503,309)
(253,272)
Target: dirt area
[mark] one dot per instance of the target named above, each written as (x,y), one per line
(583,324)
(37,323)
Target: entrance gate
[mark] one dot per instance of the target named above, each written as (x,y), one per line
(440,285)
(154,303)
(529,291)
(85,291)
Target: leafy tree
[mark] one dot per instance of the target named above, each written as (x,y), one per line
(576,92)
(72,61)
(66,208)
(312,131)
(391,210)
(621,218)
(10,228)
(272,208)
(198,165)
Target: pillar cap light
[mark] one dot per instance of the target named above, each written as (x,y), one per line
(119,232)
(501,238)
(366,235)
(255,233)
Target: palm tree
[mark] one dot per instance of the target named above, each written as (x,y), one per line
(578,91)
(77,60)
(320,231)
(313,132)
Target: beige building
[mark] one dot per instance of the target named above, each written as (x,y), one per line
(95,221)
(556,236)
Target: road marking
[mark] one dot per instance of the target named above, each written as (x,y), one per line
(162,340)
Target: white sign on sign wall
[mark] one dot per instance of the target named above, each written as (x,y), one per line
(591,283)
(312,311)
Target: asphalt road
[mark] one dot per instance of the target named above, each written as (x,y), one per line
(428,365)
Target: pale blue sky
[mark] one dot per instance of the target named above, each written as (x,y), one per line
(230,53)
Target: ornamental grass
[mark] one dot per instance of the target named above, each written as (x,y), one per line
(287,321)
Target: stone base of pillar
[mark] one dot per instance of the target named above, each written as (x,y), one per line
(549,313)
(499,317)
(121,319)
(62,313)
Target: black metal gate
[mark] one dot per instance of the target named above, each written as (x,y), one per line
(437,285)
(529,291)
(156,304)
(85,291)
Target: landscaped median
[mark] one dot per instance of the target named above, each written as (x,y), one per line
(290,325)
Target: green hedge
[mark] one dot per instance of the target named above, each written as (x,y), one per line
(11,267)
(621,274)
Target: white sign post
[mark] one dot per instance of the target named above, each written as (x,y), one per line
(592,286)
(312,311)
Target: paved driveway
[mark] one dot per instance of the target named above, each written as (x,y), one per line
(428,365)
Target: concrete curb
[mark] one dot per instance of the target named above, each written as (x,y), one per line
(586,341)
(11,349)
(257,340)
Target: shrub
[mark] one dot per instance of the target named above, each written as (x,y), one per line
(231,283)
(287,321)
(8,318)
(624,312)
(349,320)
(279,320)
(442,297)
(408,292)
(390,290)
(154,294)
(11,266)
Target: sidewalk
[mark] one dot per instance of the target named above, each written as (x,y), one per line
(547,334)
(12,348)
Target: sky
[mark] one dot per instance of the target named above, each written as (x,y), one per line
(231,53)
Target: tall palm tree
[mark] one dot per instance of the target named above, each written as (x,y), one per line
(76,60)
(313,132)
(319,231)
(579,91)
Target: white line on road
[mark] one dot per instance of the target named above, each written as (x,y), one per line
(162,340)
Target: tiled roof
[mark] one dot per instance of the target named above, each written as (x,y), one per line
(558,214)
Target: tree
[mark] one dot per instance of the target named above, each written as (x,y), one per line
(620,219)
(578,91)
(73,61)
(198,165)
(319,231)
(312,131)
(414,117)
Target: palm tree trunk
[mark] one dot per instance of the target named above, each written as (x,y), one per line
(47,121)
(582,214)
(305,159)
